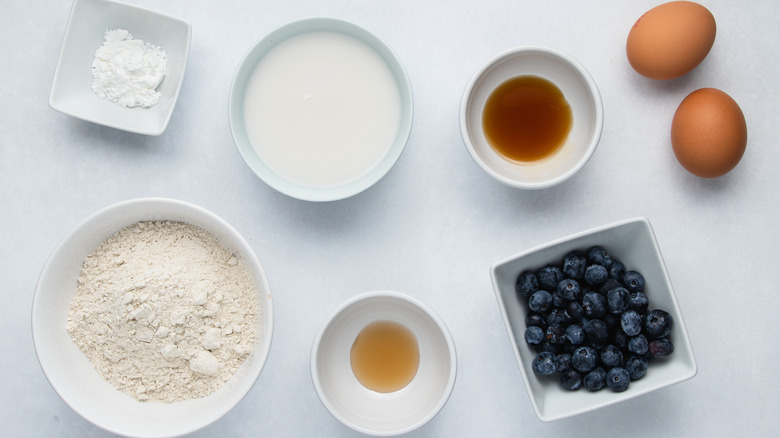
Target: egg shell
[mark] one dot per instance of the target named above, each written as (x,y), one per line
(670,40)
(709,133)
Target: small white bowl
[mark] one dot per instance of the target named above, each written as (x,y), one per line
(72,92)
(72,375)
(633,243)
(578,88)
(260,166)
(383,414)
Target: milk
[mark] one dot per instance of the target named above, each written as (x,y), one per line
(322,109)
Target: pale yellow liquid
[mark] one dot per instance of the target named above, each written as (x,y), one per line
(385,356)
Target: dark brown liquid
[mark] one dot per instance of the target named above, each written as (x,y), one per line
(385,356)
(526,118)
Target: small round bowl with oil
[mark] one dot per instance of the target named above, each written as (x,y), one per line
(388,410)
(579,139)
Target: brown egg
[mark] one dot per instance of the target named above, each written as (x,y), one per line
(709,133)
(670,40)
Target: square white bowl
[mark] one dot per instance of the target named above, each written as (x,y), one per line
(632,242)
(72,92)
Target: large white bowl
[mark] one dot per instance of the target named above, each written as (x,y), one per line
(237,101)
(70,372)
(633,243)
(577,87)
(383,414)
(72,92)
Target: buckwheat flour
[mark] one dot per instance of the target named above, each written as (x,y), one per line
(128,71)
(164,311)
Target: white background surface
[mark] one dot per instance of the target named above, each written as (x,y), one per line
(435,224)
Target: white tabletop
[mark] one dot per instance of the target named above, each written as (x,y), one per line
(435,224)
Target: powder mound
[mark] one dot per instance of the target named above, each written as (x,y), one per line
(128,71)
(164,311)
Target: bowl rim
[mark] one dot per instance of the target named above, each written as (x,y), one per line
(325,326)
(620,397)
(592,91)
(246,252)
(151,130)
(371,176)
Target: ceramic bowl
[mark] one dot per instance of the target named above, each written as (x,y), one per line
(72,375)
(633,243)
(375,413)
(578,89)
(72,93)
(262,164)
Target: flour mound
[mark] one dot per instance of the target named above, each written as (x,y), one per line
(128,71)
(164,311)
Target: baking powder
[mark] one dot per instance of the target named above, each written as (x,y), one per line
(127,71)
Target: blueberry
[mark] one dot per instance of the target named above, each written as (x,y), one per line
(534,335)
(571,380)
(618,379)
(617,300)
(557,317)
(583,359)
(574,312)
(636,367)
(544,363)
(638,345)
(574,265)
(616,269)
(540,301)
(611,356)
(549,277)
(599,256)
(569,289)
(575,334)
(631,322)
(563,362)
(620,339)
(527,283)
(612,320)
(547,346)
(596,331)
(595,380)
(556,334)
(595,275)
(594,305)
(608,285)
(637,301)
(660,348)
(633,281)
(535,319)
(658,324)
(557,299)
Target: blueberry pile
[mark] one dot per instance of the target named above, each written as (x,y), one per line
(589,321)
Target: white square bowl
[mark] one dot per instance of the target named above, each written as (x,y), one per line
(72,92)
(632,242)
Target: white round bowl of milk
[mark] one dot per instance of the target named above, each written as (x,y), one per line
(320,109)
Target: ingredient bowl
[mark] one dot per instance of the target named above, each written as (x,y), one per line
(383,413)
(71,92)
(633,243)
(578,89)
(71,373)
(320,109)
